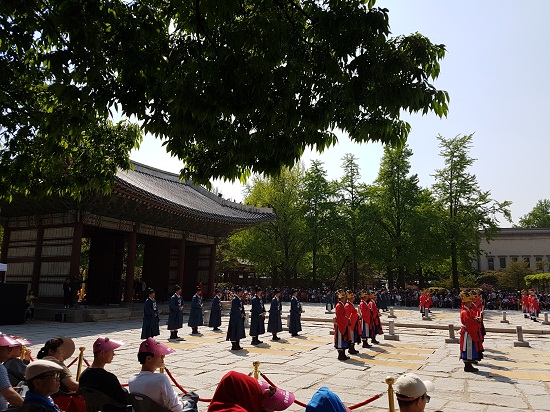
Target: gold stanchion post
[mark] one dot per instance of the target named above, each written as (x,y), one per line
(23,351)
(390,380)
(161,370)
(256,372)
(80,359)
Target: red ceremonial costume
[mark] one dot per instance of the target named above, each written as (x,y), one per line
(341,323)
(376,325)
(366,319)
(471,345)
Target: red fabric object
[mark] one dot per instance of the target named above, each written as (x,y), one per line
(365,312)
(351,312)
(342,320)
(237,392)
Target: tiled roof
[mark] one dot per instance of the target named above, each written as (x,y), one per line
(167,190)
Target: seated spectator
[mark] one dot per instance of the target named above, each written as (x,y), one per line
(18,361)
(156,386)
(238,392)
(42,378)
(58,350)
(7,393)
(324,400)
(96,377)
(412,392)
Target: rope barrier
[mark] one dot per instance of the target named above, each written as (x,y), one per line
(296,401)
(181,388)
(73,362)
(357,405)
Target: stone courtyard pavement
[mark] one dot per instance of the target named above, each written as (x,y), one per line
(509,378)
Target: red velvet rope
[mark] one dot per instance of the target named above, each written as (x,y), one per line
(181,388)
(296,401)
(357,405)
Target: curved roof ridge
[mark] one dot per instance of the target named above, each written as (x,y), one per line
(160,192)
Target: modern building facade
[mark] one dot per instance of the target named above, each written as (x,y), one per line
(514,244)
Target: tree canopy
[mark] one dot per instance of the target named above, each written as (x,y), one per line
(539,217)
(231,87)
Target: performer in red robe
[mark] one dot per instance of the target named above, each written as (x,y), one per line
(353,316)
(376,324)
(471,345)
(341,325)
(525,303)
(366,318)
(534,308)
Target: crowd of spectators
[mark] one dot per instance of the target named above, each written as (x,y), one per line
(494,299)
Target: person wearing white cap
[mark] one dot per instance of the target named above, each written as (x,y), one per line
(7,393)
(96,377)
(42,377)
(412,392)
(156,386)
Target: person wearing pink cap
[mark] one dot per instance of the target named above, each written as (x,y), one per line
(156,386)
(96,377)
(7,393)
(18,360)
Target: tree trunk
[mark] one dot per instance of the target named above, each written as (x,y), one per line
(389,277)
(454,266)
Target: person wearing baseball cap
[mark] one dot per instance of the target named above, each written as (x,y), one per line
(412,392)
(324,400)
(58,350)
(19,358)
(156,386)
(96,377)
(42,377)
(7,393)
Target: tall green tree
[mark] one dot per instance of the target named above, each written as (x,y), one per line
(275,248)
(395,196)
(466,210)
(318,205)
(351,218)
(232,87)
(539,217)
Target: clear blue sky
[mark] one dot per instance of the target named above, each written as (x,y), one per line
(497,72)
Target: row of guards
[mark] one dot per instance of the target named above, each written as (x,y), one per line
(76,401)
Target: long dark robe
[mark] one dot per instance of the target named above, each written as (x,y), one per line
(235,330)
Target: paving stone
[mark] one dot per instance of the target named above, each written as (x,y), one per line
(512,379)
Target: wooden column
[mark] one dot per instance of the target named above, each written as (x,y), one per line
(212,271)
(181,262)
(74,270)
(130,266)
(37,260)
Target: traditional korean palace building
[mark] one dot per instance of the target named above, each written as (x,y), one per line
(177,224)
(513,244)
